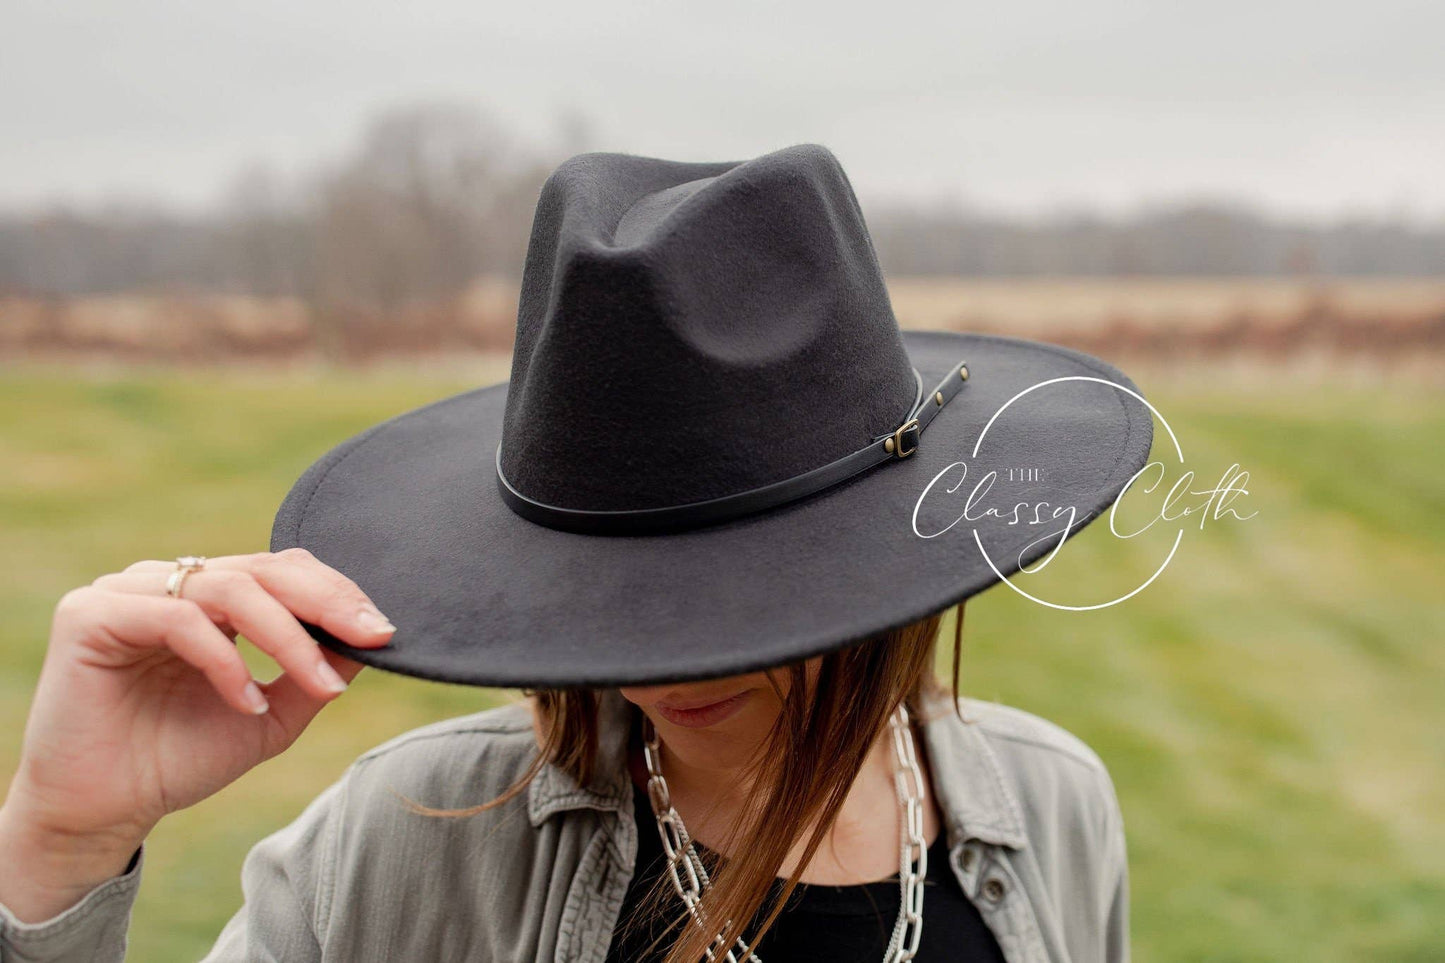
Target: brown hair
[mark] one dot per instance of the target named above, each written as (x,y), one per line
(801,772)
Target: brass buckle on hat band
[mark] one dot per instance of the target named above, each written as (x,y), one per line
(895,444)
(898,444)
(923,412)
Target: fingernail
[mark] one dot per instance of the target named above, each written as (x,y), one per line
(254,698)
(373,621)
(329,678)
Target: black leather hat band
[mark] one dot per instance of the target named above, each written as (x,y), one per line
(899,443)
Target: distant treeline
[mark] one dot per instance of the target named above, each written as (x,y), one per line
(430,198)
(434,197)
(1209,240)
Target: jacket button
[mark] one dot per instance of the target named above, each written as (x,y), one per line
(993,890)
(967,860)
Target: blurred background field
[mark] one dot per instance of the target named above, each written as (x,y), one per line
(1372,323)
(1270,708)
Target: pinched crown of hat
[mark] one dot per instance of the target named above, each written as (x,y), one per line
(712,335)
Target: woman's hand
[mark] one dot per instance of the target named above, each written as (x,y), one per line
(144,706)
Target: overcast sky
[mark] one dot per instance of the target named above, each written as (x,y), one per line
(1312,108)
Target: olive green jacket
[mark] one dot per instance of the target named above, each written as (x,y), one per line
(1035,839)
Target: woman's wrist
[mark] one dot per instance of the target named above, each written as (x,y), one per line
(45,870)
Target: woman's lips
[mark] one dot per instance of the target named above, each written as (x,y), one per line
(703,716)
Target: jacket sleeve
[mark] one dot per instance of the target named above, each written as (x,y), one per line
(1116,921)
(91,931)
(286,884)
(285,879)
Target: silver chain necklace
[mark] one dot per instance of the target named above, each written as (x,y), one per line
(692,881)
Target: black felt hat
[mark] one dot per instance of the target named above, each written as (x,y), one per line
(717,452)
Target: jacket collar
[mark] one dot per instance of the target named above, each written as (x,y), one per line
(972,792)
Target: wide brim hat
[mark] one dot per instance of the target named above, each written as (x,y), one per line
(717,452)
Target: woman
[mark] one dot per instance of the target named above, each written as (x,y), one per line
(707,549)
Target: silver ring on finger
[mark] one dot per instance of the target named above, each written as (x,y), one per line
(185,565)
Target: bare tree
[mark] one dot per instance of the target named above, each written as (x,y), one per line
(431,200)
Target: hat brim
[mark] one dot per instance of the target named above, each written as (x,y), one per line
(410,510)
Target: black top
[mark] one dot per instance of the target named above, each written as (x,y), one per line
(836,924)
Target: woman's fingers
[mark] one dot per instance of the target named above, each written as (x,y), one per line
(293,705)
(143,621)
(308,587)
(321,595)
(110,581)
(233,597)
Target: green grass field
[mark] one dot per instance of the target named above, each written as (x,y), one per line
(1272,709)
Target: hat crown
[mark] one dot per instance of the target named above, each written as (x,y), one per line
(692,330)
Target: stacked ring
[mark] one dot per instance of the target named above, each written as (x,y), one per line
(185,565)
